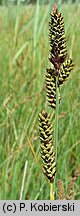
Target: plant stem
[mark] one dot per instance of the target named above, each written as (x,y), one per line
(56,116)
(51,192)
(17,22)
(56,122)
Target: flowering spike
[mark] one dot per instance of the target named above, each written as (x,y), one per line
(65,71)
(77,171)
(58,52)
(51,87)
(61,189)
(47,148)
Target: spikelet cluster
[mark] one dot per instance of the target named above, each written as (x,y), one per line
(60,188)
(51,88)
(47,148)
(71,192)
(61,67)
(58,52)
(65,70)
(77,172)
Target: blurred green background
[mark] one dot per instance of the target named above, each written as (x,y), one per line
(4,2)
(24,51)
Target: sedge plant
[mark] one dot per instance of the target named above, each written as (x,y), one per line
(59,71)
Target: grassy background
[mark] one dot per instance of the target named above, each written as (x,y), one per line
(24,50)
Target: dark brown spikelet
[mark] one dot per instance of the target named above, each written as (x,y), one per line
(60,188)
(58,52)
(47,148)
(65,71)
(51,87)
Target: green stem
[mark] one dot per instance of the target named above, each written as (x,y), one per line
(56,116)
(56,123)
(17,22)
(51,192)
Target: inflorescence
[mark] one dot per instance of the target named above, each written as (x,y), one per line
(60,66)
(47,148)
(56,75)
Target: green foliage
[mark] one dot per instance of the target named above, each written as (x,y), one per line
(22,96)
(6,2)
(1,1)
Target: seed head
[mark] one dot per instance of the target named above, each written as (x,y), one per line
(60,188)
(58,52)
(51,87)
(47,148)
(65,70)
(77,172)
